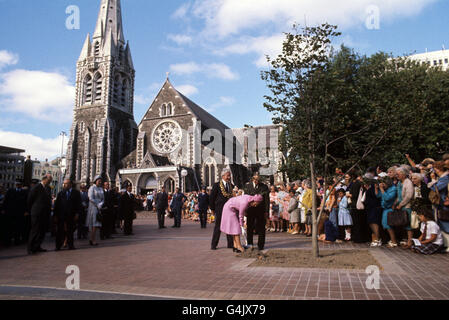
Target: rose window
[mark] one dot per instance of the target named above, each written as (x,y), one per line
(167,137)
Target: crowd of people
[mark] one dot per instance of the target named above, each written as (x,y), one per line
(407,202)
(27,214)
(406,205)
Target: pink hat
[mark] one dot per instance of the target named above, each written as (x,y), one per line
(257,198)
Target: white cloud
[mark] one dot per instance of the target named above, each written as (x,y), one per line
(180,39)
(222,102)
(230,17)
(187,89)
(212,70)
(181,12)
(185,68)
(7,58)
(37,94)
(34,146)
(261,46)
(141,99)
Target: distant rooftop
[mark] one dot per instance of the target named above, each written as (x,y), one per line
(9,150)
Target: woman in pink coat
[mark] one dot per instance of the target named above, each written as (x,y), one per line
(233,214)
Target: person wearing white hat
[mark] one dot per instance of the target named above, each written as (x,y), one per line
(96,201)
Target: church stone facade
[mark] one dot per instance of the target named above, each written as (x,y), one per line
(103,130)
(176,144)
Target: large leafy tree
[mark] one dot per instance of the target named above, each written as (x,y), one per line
(340,109)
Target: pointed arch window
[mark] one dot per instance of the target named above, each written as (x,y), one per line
(116,92)
(97,49)
(206,175)
(212,175)
(88,89)
(123,100)
(120,53)
(169,109)
(163,110)
(98,83)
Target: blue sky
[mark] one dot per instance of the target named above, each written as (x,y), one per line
(213,49)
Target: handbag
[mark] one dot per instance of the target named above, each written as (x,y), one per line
(414,223)
(100,215)
(443,214)
(434,196)
(360,201)
(398,218)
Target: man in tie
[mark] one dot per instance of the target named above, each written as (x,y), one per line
(108,212)
(203,205)
(257,215)
(176,206)
(82,229)
(220,194)
(161,204)
(67,212)
(39,202)
(127,206)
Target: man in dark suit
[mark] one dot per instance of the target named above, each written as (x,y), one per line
(203,205)
(126,208)
(39,202)
(15,207)
(257,216)
(176,207)
(220,194)
(82,229)
(161,203)
(107,224)
(67,211)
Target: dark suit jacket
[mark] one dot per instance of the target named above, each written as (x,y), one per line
(217,200)
(15,203)
(66,209)
(203,201)
(161,201)
(110,201)
(39,201)
(178,201)
(261,189)
(127,205)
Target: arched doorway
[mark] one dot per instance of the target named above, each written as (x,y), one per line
(147,183)
(169,185)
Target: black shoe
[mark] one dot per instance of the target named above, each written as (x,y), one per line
(174,226)
(41,250)
(58,249)
(31,252)
(72,248)
(213,248)
(236,250)
(260,249)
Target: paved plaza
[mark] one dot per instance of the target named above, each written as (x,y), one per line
(178,264)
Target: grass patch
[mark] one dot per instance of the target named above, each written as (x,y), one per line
(329,259)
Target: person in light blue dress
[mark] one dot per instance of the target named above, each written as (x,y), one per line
(387,192)
(344,216)
(96,202)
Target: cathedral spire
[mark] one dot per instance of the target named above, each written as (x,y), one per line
(109,20)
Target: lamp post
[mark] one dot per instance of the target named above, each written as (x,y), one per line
(184,174)
(62,174)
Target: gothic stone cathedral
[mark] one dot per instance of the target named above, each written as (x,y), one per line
(105,140)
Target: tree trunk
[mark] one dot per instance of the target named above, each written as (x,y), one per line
(315,248)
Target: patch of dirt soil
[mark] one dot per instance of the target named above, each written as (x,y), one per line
(341,259)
